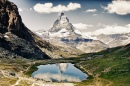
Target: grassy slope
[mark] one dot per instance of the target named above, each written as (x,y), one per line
(112,64)
(109,68)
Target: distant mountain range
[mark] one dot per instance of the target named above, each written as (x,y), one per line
(114,40)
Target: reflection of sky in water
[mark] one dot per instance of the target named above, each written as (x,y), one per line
(59,72)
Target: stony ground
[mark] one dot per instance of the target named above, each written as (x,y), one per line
(13,75)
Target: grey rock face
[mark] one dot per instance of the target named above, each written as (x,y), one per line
(16,39)
(61,23)
(21,47)
(10,21)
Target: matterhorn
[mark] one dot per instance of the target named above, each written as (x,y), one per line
(63,33)
(63,28)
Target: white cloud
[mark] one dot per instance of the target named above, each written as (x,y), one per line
(30,9)
(49,8)
(95,14)
(128,25)
(99,24)
(81,26)
(20,9)
(57,77)
(24,9)
(119,7)
(114,29)
(91,10)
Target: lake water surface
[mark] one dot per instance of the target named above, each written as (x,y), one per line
(60,72)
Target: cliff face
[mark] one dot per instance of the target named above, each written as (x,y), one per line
(10,21)
(15,38)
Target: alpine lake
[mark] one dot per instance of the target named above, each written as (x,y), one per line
(59,72)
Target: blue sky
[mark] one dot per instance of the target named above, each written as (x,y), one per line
(86,15)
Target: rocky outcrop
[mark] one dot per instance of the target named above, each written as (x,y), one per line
(16,38)
(20,47)
(10,21)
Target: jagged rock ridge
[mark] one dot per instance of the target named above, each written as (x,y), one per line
(63,28)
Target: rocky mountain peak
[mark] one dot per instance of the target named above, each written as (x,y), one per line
(62,14)
(63,19)
(61,23)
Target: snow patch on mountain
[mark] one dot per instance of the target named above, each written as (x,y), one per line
(61,33)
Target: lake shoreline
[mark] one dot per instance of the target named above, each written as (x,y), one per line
(53,61)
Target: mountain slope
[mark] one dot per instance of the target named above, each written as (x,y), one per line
(16,38)
(111,65)
(90,47)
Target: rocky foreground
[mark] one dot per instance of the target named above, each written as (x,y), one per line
(16,80)
(15,74)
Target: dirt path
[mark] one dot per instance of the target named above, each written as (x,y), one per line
(22,78)
(85,70)
(35,84)
(57,84)
(40,83)
(110,83)
(102,82)
(17,82)
(3,73)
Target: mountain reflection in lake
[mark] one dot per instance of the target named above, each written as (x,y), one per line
(60,72)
